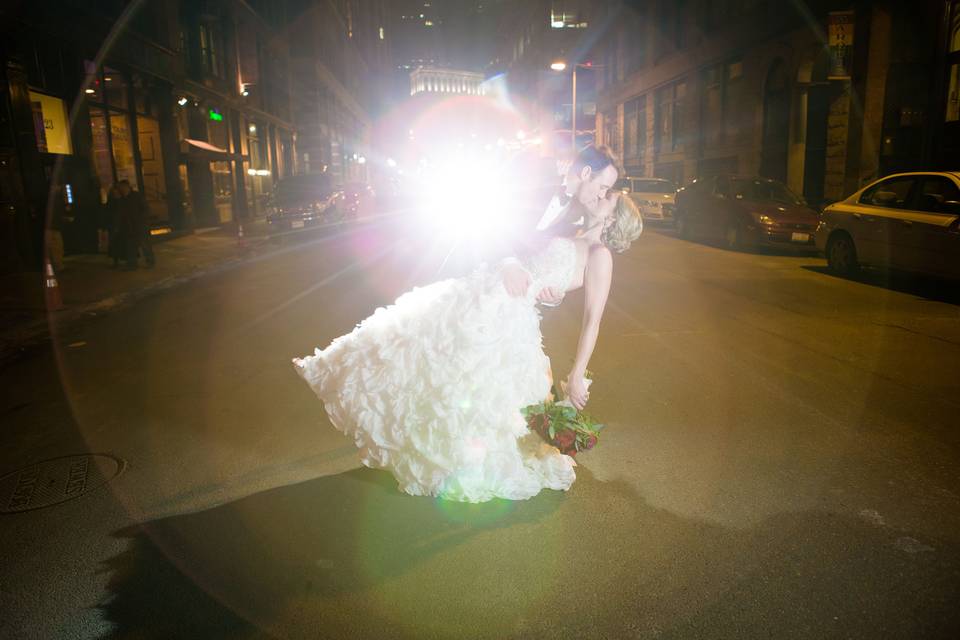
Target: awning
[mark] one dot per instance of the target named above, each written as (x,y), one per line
(203,149)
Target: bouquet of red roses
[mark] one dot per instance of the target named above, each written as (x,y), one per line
(561,425)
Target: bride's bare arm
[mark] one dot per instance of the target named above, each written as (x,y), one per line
(596,287)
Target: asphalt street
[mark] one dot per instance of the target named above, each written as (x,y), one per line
(780,461)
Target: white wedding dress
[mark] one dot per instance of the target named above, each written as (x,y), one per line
(431,386)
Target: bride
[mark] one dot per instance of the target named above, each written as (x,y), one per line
(431,387)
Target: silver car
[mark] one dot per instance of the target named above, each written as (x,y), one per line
(653,196)
(906,221)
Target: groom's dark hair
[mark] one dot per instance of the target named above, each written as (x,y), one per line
(597,158)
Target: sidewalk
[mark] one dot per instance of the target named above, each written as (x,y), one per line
(89,285)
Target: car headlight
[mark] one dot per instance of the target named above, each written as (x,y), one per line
(763,218)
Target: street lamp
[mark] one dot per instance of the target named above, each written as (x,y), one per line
(560,65)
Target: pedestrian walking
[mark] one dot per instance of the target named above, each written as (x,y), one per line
(134,227)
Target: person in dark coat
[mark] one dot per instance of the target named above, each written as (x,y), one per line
(110,223)
(134,227)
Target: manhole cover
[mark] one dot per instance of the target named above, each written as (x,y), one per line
(54,481)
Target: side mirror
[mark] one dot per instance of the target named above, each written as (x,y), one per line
(950,206)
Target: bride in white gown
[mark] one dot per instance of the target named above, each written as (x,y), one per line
(431,387)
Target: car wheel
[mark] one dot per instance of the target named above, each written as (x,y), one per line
(842,255)
(680,224)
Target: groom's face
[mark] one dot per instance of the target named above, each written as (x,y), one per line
(594,185)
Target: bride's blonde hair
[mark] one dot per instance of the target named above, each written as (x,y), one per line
(625,225)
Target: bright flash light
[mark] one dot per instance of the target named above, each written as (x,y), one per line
(466,200)
(521,135)
(558,66)
(391,163)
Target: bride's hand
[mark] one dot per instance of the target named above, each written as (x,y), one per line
(576,389)
(516,280)
(550,296)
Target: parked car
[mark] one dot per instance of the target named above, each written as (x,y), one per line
(906,221)
(298,202)
(653,196)
(744,212)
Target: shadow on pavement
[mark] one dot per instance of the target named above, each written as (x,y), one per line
(931,288)
(348,556)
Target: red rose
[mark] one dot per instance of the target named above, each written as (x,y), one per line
(565,439)
(590,443)
(538,422)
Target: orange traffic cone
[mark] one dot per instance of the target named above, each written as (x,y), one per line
(51,289)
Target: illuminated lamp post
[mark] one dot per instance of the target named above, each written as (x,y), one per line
(560,65)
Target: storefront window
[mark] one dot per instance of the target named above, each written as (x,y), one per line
(222,181)
(116,151)
(154,184)
(253,141)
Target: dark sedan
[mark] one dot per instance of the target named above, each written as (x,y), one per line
(745,212)
(298,202)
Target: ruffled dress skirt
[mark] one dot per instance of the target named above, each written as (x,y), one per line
(431,388)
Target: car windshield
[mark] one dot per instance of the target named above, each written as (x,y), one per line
(308,188)
(763,190)
(654,186)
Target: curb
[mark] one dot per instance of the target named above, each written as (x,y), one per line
(37,333)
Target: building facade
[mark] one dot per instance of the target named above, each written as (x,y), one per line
(823,96)
(454,81)
(188,101)
(335,88)
(196,102)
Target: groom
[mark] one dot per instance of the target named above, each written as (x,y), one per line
(586,181)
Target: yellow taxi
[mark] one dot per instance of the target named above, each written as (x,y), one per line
(905,221)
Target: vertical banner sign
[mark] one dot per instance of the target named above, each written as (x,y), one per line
(840,35)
